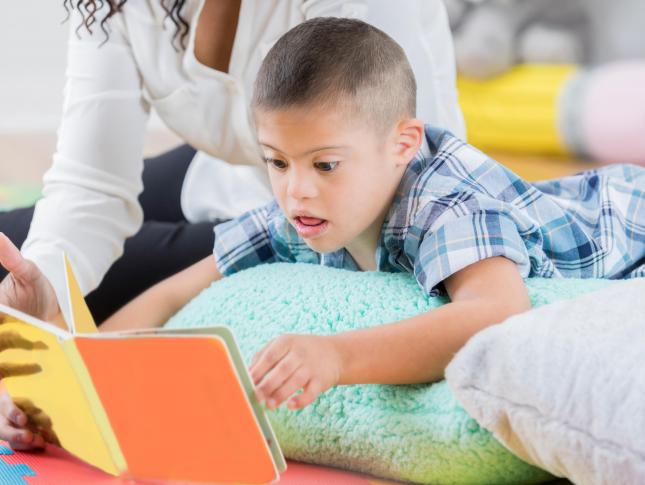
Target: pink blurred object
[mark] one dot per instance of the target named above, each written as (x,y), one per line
(613,113)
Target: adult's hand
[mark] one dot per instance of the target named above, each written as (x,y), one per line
(24,425)
(25,288)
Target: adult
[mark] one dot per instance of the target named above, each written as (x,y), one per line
(194,63)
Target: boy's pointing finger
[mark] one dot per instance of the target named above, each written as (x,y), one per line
(273,353)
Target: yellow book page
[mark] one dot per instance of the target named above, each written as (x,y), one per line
(45,378)
(83,322)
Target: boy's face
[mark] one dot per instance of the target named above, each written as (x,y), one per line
(333,176)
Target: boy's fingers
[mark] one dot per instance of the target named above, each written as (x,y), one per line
(312,389)
(269,358)
(280,373)
(256,357)
(252,365)
(296,382)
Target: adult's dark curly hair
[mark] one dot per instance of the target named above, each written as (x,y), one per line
(89,9)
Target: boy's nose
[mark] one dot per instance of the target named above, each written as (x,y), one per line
(301,186)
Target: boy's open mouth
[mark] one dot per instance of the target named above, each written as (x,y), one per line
(310,221)
(309,226)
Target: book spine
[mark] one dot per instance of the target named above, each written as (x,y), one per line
(118,465)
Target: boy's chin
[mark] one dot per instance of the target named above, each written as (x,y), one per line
(321,246)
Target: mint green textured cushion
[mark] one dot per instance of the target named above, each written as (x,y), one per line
(416,433)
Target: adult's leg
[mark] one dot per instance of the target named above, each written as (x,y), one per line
(158,250)
(165,244)
(163,177)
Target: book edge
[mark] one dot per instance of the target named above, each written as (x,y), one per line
(119,465)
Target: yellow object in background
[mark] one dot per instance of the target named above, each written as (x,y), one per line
(518,111)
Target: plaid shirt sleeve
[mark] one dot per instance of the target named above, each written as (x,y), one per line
(260,236)
(244,242)
(461,241)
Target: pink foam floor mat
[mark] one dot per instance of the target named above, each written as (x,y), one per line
(56,466)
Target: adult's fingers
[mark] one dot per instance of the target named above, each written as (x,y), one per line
(50,437)
(12,413)
(26,440)
(12,260)
(18,438)
(13,424)
(37,421)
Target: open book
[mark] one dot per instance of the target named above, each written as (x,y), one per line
(156,404)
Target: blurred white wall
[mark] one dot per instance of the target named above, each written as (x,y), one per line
(32,65)
(32,68)
(33,51)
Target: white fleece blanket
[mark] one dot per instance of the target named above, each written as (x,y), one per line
(563,386)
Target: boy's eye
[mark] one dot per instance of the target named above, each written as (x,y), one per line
(326,166)
(279,164)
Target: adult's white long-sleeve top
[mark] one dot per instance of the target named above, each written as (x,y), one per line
(90,193)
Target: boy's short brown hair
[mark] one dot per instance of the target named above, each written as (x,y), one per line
(342,63)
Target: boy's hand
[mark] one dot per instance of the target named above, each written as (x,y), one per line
(293,362)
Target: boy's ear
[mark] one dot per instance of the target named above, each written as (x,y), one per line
(409,136)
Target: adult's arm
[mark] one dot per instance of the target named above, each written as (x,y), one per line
(90,193)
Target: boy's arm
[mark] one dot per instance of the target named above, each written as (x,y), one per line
(157,304)
(418,349)
(239,244)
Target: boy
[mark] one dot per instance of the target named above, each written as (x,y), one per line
(360,184)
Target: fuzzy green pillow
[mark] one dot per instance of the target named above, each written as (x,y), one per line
(416,433)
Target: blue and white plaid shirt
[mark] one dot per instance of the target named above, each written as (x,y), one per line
(456,206)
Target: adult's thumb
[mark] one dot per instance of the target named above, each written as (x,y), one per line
(11,258)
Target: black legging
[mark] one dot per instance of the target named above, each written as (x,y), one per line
(165,244)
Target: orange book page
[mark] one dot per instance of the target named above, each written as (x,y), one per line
(160,391)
